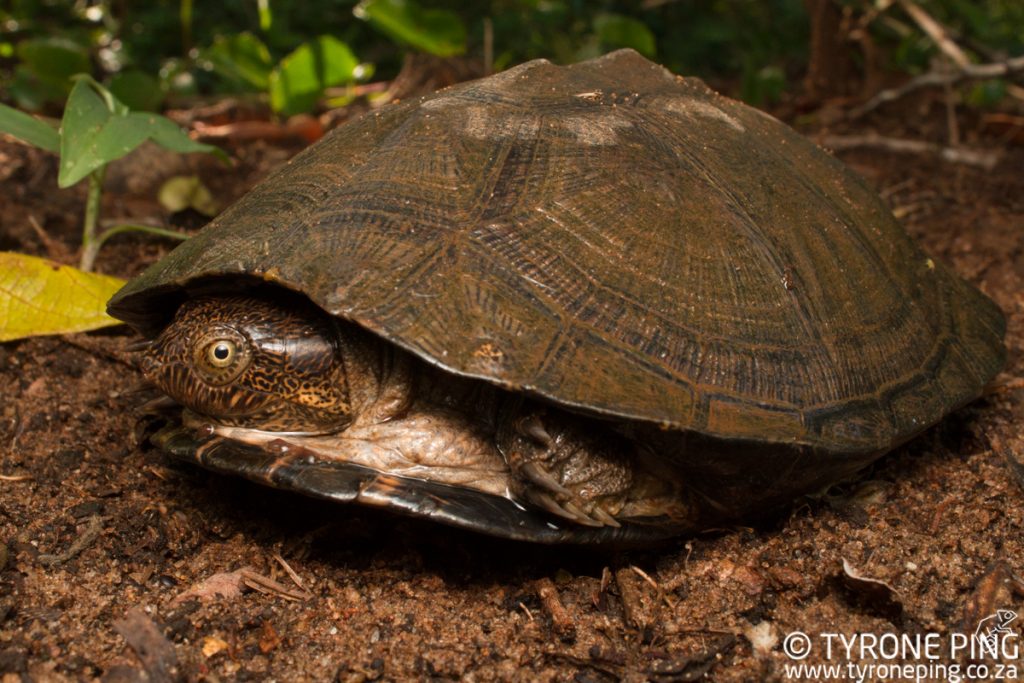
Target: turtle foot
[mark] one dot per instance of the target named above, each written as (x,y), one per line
(566,470)
(559,500)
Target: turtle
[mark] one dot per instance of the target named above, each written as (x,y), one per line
(592,303)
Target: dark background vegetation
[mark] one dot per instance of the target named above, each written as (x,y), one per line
(167,51)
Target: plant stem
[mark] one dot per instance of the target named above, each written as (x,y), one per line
(185,16)
(91,242)
(133,227)
(90,245)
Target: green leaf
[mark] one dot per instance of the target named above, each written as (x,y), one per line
(762,85)
(242,57)
(299,80)
(168,135)
(439,32)
(616,30)
(54,60)
(29,129)
(97,130)
(38,297)
(85,115)
(138,90)
(30,93)
(987,94)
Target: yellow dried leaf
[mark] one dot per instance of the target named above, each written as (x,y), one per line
(38,296)
(213,645)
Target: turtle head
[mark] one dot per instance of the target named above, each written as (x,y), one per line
(251,362)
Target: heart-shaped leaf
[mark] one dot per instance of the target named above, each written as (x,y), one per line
(97,130)
(299,80)
(242,57)
(54,60)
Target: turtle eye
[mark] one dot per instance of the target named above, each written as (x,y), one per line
(221,355)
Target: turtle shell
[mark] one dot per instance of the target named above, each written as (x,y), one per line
(620,241)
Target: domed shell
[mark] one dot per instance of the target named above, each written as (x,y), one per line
(621,241)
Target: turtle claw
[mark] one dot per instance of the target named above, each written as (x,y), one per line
(553,492)
(541,477)
(601,515)
(543,500)
(595,516)
(532,427)
(579,515)
(566,510)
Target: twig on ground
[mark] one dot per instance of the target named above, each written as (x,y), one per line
(639,610)
(265,584)
(288,569)
(55,249)
(654,584)
(155,652)
(645,576)
(91,533)
(1011,455)
(981,158)
(564,626)
(595,664)
(1002,386)
(299,127)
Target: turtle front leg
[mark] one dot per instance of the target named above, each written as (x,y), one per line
(583,471)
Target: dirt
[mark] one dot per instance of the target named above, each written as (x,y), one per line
(119,564)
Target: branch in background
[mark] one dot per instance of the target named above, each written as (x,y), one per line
(935,31)
(958,155)
(940,78)
(940,36)
(830,65)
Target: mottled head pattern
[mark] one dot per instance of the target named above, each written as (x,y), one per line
(253,362)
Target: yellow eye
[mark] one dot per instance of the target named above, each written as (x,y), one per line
(221,353)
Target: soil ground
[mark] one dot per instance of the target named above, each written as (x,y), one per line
(119,564)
